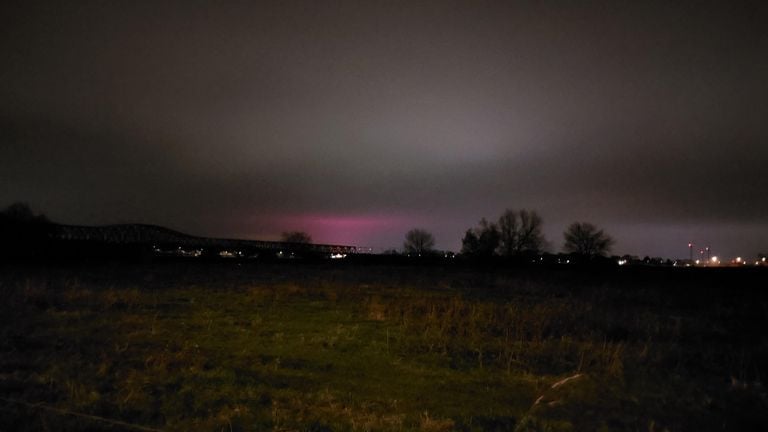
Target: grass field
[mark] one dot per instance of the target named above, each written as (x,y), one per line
(318,347)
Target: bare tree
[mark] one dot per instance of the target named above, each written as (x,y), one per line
(585,239)
(520,232)
(297,237)
(418,241)
(21,212)
(481,241)
(22,233)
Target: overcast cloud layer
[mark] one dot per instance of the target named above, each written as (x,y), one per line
(359,120)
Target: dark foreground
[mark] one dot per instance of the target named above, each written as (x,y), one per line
(228,346)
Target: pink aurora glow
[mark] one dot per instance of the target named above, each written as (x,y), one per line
(357,230)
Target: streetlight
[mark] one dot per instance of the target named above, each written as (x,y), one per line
(690,251)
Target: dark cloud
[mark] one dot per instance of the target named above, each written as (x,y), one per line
(366,118)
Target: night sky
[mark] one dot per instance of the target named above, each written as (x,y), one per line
(356,121)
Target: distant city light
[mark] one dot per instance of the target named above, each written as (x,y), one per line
(338,256)
(622,261)
(714,260)
(738,259)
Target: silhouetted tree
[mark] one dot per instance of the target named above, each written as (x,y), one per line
(22,233)
(297,237)
(418,241)
(481,241)
(470,244)
(583,238)
(520,232)
(21,212)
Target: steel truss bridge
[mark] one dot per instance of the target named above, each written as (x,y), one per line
(159,237)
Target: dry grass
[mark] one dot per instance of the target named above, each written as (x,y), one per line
(370,349)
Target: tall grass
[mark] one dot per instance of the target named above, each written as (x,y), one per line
(348,348)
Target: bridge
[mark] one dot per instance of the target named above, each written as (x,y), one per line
(160,237)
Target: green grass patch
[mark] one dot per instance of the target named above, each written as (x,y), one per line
(312,348)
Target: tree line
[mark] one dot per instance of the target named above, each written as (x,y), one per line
(516,233)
